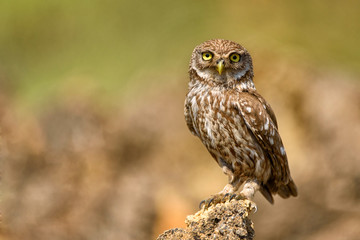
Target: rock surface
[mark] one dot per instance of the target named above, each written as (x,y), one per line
(229,220)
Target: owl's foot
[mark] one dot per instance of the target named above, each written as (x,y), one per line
(220,198)
(241,196)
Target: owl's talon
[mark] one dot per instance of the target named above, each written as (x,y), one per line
(211,201)
(221,198)
(255,208)
(203,202)
(226,197)
(252,207)
(240,197)
(233,196)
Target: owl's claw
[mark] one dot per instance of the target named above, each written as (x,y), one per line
(229,197)
(240,196)
(201,203)
(220,198)
(208,202)
(254,207)
(211,201)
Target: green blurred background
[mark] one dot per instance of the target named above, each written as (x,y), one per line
(118,44)
(99,85)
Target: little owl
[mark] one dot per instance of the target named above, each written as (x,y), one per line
(235,123)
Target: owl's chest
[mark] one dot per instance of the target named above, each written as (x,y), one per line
(215,119)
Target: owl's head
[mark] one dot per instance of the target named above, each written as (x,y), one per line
(221,61)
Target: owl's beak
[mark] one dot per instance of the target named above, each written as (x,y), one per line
(220,66)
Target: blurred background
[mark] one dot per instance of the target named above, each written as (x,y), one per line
(93,140)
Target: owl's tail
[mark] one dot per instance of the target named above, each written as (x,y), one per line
(284,191)
(288,190)
(265,191)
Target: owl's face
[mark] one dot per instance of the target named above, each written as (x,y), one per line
(221,61)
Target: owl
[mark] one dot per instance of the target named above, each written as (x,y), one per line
(235,123)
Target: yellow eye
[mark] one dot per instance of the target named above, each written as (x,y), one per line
(235,57)
(207,56)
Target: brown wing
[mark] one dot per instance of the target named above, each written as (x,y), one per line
(266,106)
(260,120)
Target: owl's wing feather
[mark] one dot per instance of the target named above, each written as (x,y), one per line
(266,106)
(259,120)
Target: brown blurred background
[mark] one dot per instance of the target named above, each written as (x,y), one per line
(93,140)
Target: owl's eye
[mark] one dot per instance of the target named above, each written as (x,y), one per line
(235,57)
(207,56)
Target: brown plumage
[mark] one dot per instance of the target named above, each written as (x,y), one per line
(235,123)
